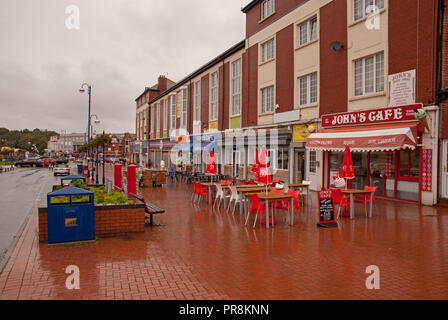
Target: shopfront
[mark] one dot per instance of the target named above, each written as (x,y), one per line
(390,151)
(159,151)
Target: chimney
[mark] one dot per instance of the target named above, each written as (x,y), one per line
(162,83)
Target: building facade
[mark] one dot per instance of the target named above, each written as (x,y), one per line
(302,60)
(67,143)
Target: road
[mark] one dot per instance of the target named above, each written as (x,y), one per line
(19,190)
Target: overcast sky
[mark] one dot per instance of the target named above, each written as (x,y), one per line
(121,47)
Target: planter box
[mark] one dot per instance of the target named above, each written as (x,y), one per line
(110,220)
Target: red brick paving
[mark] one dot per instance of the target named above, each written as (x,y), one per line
(198,253)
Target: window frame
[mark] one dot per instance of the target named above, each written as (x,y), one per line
(165,115)
(364,9)
(183,107)
(214,96)
(308,78)
(197,101)
(285,163)
(376,76)
(264,57)
(271,98)
(173,110)
(157,119)
(312,161)
(267,5)
(236,95)
(309,33)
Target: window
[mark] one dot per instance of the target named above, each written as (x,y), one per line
(158,118)
(308,89)
(236,87)
(267,51)
(183,108)
(409,163)
(267,99)
(173,112)
(152,119)
(267,8)
(308,31)
(313,159)
(197,101)
(282,159)
(214,97)
(165,115)
(363,8)
(369,75)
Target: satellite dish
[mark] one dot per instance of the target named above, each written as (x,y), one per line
(336,46)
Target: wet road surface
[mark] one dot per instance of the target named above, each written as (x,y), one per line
(19,190)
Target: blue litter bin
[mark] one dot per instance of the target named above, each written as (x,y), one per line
(71,178)
(70,215)
(80,169)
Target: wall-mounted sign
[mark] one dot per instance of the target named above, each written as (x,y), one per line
(402,88)
(287,116)
(213,125)
(374,116)
(427,170)
(197,127)
(301,132)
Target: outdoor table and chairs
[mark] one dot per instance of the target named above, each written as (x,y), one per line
(301,186)
(352,193)
(275,197)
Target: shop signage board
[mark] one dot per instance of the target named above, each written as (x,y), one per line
(301,132)
(326,209)
(374,116)
(402,88)
(427,170)
(287,116)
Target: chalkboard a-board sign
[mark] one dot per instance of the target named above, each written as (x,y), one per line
(326,209)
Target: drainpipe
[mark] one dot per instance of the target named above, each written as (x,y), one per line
(439,95)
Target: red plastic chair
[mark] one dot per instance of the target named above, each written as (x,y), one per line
(252,182)
(255,205)
(244,182)
(195,190)
(201,191)
(366,198)
(295,195)
(279,204)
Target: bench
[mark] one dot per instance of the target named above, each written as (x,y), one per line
(150,209)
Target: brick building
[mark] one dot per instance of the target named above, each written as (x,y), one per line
(120,146)
(302,60)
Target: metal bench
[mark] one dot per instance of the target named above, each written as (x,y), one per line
(150,209)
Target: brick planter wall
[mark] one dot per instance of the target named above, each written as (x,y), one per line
(110,220)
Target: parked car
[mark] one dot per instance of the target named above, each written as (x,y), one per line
(29,163)
(62,160)
(61,169)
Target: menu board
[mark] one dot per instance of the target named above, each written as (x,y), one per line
(326,207)
(427,170)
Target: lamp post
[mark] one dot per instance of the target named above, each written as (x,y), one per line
(91,135)
(89,92)
(104,173)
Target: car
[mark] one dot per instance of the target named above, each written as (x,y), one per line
(62,160)
(61,169)
(29,163)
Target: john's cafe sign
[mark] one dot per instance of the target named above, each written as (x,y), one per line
(374,116)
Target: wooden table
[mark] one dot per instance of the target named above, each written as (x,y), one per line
(274,197)
(301,186)
(208,185)
(353,192)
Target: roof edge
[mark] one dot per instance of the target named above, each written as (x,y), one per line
(250,5)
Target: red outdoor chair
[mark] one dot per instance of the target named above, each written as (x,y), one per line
(295,195)
(279,204)
(366,198)
(252,182)
(255,205)
(201,191)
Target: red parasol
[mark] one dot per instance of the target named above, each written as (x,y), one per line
(211,166)
(264,174)
(347,171)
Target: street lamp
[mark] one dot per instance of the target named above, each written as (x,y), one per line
(97,121)
(89,92)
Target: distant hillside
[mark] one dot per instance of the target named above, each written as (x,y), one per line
(25,139)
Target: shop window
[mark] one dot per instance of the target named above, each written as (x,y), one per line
(409,163)
(313,161)
(382,173)
(282,159)
(360,167)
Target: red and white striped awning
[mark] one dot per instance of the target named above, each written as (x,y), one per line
(364,139)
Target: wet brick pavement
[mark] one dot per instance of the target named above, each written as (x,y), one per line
(197,253)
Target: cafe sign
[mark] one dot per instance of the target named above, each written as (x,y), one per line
(374,116)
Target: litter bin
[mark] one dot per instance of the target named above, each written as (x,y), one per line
(70,215)
(80,169)
(71,178)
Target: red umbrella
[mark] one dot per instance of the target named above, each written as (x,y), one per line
(211,166)
(256,163)
(264,174)
(347,171)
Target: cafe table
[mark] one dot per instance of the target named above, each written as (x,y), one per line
(274,197)
(244,190)
(352,193)
(301,186)
(209,185)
